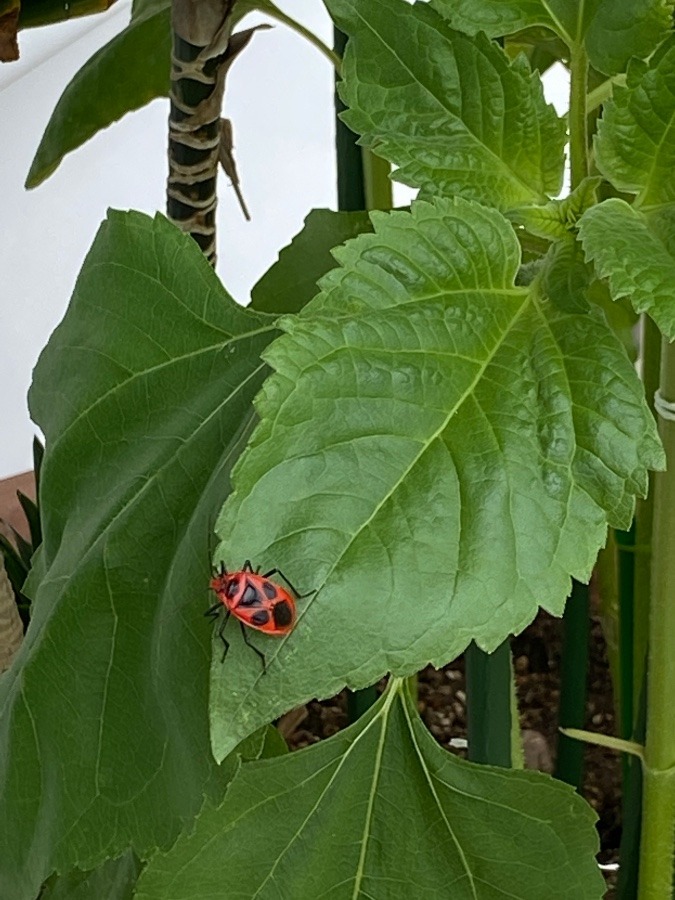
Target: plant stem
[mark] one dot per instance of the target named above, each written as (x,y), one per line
(351,188)
(644,518)
(488,703)
(275,13)
(377,181)
(625,551)
(573,677)
(578,117)
(631,809)
(658,808)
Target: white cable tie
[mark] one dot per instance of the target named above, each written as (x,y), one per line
(664,408)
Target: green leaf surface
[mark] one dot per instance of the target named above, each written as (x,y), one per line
(431,431)
(381,811)
(635,144)
(291,282)
(143,394)
(481,127)
(611,30)
(637,255)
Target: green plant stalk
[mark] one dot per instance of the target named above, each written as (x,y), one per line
(606,576)
(631,809)
(488,702)
(573,676)
(333,57)
(377,183)
(578,117)
(644,518)
(362,183)
(625,545)
(658,806)
(351,187)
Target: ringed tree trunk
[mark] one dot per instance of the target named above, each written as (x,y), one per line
(203,50)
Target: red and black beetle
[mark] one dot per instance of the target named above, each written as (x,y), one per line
(255,600)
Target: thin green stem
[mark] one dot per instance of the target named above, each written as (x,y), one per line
(644,517)
(658,808)
(631,810)
(377,182)
(578,117)
(351,188)
(625,551)
(275,13)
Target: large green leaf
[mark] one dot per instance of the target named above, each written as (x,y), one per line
(635,145)
(143,393)
(291,282)
(381,811)
(439,451)
(481,127)
(611,30)
(637,254)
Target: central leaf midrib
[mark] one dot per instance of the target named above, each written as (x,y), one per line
(439,806)
(382,716)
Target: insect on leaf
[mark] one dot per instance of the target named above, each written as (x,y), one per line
(438,453)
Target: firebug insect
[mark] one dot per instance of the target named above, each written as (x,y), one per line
(255,600)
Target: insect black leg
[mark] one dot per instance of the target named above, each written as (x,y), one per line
(212,611)
(247,567)
(221,635)
(219,570)
(246,641)
(297,593)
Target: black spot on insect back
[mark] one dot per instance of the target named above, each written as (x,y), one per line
(269,589)
(232,588)
(261,617)
(282,614)
(250,597)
